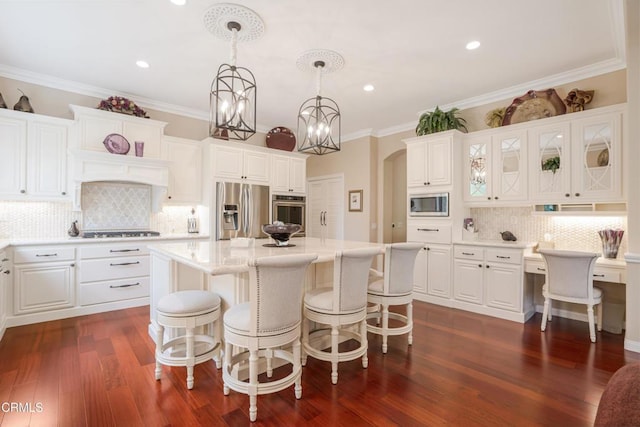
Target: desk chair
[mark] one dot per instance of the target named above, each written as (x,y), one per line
(569,278)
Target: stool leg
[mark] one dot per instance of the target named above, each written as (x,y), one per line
(159,344)
(592,332)
(598,309)
(227,365)
(218,334)
(410,322)
(268,354)
(297,368)
(385,327)
(190,357)
(305,340)
(363,341)
(334,355)
(253,385)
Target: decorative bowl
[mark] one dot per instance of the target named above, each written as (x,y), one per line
(281,233)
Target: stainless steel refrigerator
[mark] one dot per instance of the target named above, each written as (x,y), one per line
(241,209)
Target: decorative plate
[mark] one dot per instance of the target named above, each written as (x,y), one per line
(281,138)
(534,105)
(116,144)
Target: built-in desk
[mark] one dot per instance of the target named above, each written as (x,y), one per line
(606,270)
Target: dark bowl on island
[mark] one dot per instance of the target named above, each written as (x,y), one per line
(281,233)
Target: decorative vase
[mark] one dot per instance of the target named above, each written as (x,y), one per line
(610,242)
(73,231)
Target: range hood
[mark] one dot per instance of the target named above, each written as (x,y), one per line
(93,166)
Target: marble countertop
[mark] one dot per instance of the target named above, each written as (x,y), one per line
(534,256)
(219,257)
(62,240)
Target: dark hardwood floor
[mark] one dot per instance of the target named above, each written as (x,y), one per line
(463,369)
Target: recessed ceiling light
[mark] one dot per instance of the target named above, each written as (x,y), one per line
(142,64)
(368,88)
(473,45)
(179,2)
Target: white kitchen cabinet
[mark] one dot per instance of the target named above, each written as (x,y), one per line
(33,156)
(429,160)
(325,208)
(495,166)
(44,279)
(432,271)
(288,174)
(490,279)
(113,272)
(94,125)
(5,271)
(185,169)
(578,159)
(237,164)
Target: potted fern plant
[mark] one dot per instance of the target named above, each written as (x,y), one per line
(439,121)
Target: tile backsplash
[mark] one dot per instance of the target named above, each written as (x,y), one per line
(115,206)
(567,232)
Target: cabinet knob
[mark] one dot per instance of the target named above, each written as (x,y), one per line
(428,248)
(169,197)
(567,195)
(72,265)
(428,183)
(489,198)
(23,191)
(424,183)
(6,271)
(480,265)
(577,194)
(487,266)
(496,197)
(64,193)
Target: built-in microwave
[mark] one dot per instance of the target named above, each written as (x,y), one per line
(429,204)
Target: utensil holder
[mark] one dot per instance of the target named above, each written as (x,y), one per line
(610,242)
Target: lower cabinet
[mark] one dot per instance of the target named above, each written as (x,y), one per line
(44,279)
(490,280)
(432,272)
(5,271)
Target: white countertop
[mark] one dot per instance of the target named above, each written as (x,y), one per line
(218,257)
(62,240)
(496,243)
(601,261)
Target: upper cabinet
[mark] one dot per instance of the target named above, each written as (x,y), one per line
(429,161)
(238,164)
(185,169)
(495,167)
(94,125)
(33,156)
(577,160)
(288,174)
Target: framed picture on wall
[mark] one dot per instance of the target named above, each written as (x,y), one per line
(355,201)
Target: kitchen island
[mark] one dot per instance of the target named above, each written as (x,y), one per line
(221,267)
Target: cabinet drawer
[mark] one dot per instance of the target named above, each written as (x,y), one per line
(110,251)
(429,232)
(114,290)
(606,275)
(469,252)
(43,254)
(508,256)
(103,269)
(536,267)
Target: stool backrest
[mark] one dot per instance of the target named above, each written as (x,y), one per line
(351,277)
(569,274)
(276,286)
(399,262)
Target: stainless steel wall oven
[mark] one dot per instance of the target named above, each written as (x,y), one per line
(290,210)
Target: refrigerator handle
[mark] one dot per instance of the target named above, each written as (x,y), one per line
(247,206)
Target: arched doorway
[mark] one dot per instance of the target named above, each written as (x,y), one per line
(394,197)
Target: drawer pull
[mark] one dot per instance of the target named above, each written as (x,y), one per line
(540,269)
(428,229)
(598,275)
(124,250)
(6,271)
(503,257)
(128,285)
(5,259)
(468,253)
(124,263)
(39,255)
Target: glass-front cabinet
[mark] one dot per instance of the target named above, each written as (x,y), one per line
(495,168)
(576,161)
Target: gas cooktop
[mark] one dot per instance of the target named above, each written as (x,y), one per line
(119,233)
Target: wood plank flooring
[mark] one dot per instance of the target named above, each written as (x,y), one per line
(463,369)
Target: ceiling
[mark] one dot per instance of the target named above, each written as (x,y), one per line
(412,51)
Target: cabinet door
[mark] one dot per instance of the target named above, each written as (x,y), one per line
(439,271)
(280,173)
(227,162)
(43,287)
(504,286)
(298,175)
(509,165)
(550,163)
(439,162)
(185,171)
(47,160)
(596,158)
(13,155)
(467,281)
(476,169)
(256,166)
(4,282)
(416,164)
(325,209)
(315,209)
(420,271)
(335,209)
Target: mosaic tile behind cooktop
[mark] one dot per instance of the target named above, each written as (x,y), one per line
(115,206)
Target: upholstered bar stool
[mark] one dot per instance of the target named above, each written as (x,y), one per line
(393,287)
(188,310)
(340,307)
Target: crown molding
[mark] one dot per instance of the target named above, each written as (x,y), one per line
(396,129)
(355,135)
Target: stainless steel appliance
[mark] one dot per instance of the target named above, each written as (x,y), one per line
(290,210)
(429,204)
(241,210)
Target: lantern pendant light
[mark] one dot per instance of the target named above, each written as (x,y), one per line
(319,117)
(233,92)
